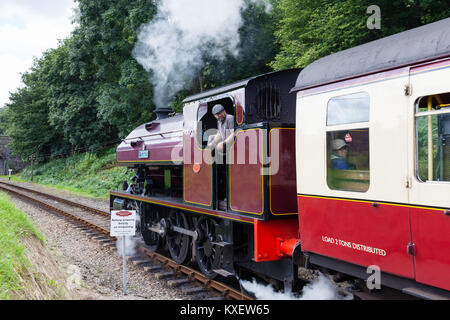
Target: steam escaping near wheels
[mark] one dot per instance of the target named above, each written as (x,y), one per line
(321,288)
(130,246)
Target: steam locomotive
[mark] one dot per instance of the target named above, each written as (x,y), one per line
(274,201)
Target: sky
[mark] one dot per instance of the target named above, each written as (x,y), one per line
(27,29)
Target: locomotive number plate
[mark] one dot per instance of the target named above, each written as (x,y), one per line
(143,154)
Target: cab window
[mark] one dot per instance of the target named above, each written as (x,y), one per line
(207,123)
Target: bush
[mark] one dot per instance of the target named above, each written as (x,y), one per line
(93,174)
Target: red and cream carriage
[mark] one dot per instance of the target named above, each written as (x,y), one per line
(390,99)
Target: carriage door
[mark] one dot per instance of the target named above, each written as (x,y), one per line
(429,178)
(198,182)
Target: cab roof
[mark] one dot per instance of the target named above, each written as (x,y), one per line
(236,85)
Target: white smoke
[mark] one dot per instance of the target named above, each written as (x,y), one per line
(321,288)
(172,44)
(130,246)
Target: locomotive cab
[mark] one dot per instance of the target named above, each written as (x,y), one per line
(206,131)
(236,180)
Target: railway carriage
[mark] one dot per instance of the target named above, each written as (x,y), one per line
(389,100)
(276,199)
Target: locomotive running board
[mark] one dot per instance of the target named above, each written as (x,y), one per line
(180,205)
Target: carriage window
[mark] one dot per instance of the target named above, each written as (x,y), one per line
(352,108)
(348,160)
(433,138)
(348,150)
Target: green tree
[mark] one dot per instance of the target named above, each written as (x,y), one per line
(3,120)
(310,29)
(27,114)
(71,99)
(256,49)
(102,47)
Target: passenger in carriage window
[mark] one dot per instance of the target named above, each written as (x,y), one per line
(225,126)
(339,155)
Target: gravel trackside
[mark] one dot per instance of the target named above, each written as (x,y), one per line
(93,271)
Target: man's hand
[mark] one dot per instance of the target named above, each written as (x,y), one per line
(220,146)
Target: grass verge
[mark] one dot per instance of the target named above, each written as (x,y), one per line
(86,174)
(14,227)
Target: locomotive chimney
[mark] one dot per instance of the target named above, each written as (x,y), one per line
(162,113)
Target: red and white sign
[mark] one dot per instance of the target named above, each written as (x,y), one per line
(348,138)
(124,213)
(123,223)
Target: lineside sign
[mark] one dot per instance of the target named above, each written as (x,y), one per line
(123,223)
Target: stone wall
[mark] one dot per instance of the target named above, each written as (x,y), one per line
(7,161)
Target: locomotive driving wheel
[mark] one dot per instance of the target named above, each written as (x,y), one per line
(179,244)
(205,249)
(150,216)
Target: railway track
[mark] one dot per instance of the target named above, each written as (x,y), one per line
(95,223)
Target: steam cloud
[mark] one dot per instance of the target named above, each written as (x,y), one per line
(172,44)
(320,289)
(130,246)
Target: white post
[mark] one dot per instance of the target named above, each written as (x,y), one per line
(124,267)
(122,225)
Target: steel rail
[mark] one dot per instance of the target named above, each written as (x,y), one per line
(225,290)
(59,211)
(194,275)
(75,204)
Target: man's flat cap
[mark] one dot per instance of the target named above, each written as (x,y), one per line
(218,108)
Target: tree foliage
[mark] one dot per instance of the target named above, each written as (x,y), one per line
(3,120)
(257,48)
(310,29)
(90,91)
(27,114)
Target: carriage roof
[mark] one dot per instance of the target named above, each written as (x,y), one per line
(424,43)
